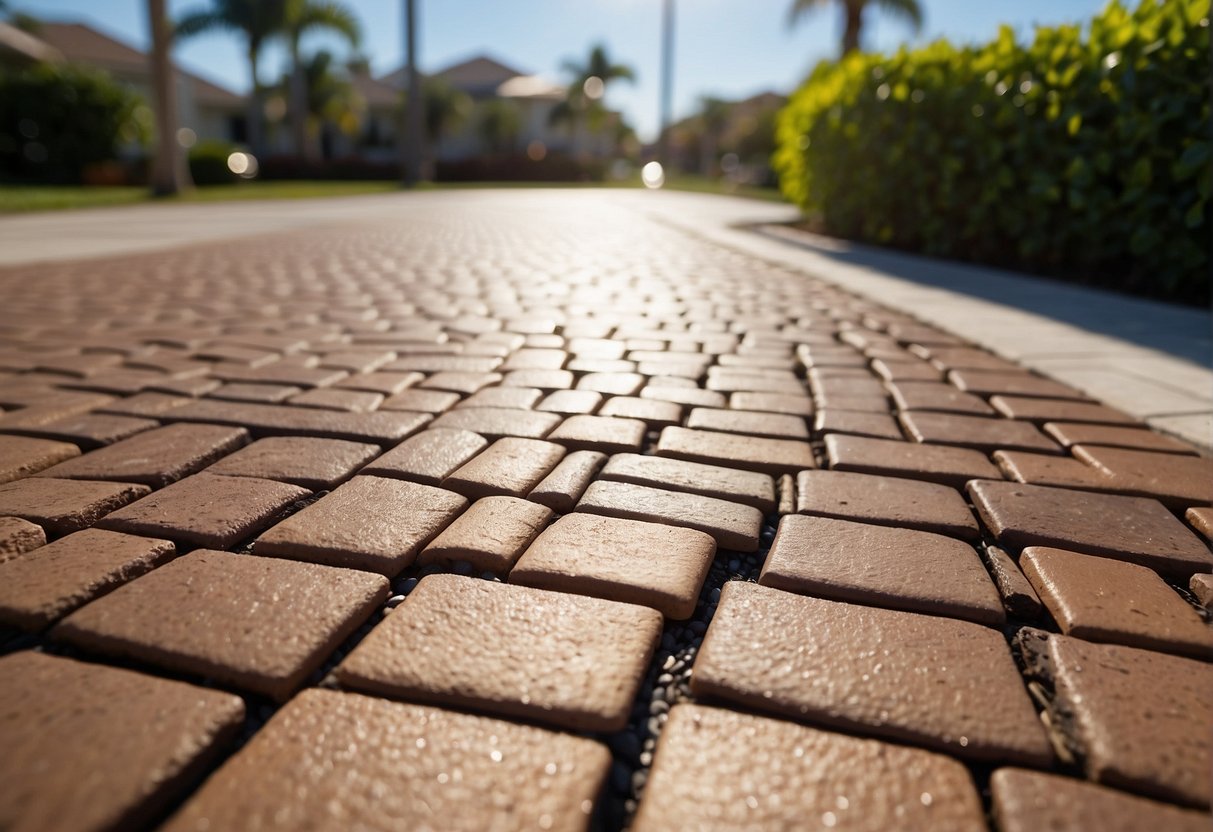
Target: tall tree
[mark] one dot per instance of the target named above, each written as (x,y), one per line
(853,14)
(256,21)
(590,80)
(299,18)
(170,173)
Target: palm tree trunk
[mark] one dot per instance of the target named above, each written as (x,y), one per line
(298,106)
(256,135)
(170,173)
(853,25)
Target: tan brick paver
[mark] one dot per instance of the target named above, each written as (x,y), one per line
(91,747)
(748,487)
(563,486)
(336,761)
(314,464)
(258,624)
(885,501)
(19,536)
(564,660)
(491,534)
(718,770)
(63,506)
(429,457)
(733,525)
(934,463)
(21,456)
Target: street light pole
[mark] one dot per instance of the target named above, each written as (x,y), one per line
(667,80)
(411,144)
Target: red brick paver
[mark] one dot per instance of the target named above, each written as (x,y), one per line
(314,464)
(21,456)
(885,501)
(63,506)
(733,525)
(19,536)
(491,534)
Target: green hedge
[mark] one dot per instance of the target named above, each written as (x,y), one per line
(1085,154)
(57,121)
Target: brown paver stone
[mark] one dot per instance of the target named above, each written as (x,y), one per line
(733,525)
(421,401)
(19,536)
(1033,409)
(349,401)
(750,422)
(258,624)
(283,420)
(858,423)
(748,487)
(21,456)
(491,534)
(1053,470)
(370,523)
(936,396)
(720,770)
(976,432)
(333,761)
(147,405)
(496,422)
(887,567)
(1098,599)
(256,393)
(63,506)
(1082,433)
(1031,801)
(934,463)
(90,430)
(606,434)
(562,488)
(885,501)
(429,457)
(655,414)
(389,384)
(1139,719)
(1018,597)
(41,587)
(1171,478)
(1135,529)
(571,402)
(768,456)
(1201,519)
(518,398)
(510,467)
(206,510)
(997,382)
(1201,586)
(566,660)
(692,397)
(314,464)
(937,682)
(458,382)
(89,747)
(631,561)
(798,405)
(155,457)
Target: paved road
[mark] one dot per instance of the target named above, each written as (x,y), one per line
(571,509)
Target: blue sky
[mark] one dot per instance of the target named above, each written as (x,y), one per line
(727,48)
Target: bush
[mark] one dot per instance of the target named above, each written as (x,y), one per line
(58,120)
(1084,154)
(208,163)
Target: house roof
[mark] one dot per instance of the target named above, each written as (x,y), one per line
(82,44)
(479,74)
(25,46)
(531,86)
(376,92)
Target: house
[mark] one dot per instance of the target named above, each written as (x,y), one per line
(207,109)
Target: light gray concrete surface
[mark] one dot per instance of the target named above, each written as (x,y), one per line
(1150,359)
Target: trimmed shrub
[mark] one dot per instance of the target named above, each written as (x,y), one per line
(208,163)
(1084,154)
(57,120)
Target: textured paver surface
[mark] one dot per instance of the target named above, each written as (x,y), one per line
(475,504)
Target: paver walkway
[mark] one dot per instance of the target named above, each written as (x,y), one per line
(528,511)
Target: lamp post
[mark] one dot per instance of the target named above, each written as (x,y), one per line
(667,80)
(411,144)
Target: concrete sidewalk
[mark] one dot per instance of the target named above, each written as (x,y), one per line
(1150,359)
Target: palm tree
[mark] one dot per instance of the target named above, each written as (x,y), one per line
(256,21)
(330,101)
(170,174)
(443,109)
(588,86)
(300,17)
(499,122)
(853,10)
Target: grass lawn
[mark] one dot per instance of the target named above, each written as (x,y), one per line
(20,198)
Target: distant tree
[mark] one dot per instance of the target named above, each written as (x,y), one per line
(256,21)
(299,18)
(330,102)
(853,13)
(499,122)
(170,174)
(714,114)
(444,110)
(582,105)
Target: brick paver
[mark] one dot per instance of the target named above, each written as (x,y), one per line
(719,770)
(622,560)
(41,587)
(1029,801)
(898,568)
(258,624)
(94,747)
(1160,749)
(342,761)
(368,523)
(564,660)
(453,372)
(1117,602)
(1135,529)
(885,501)
(19,536)
(491,534)
(945,684)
